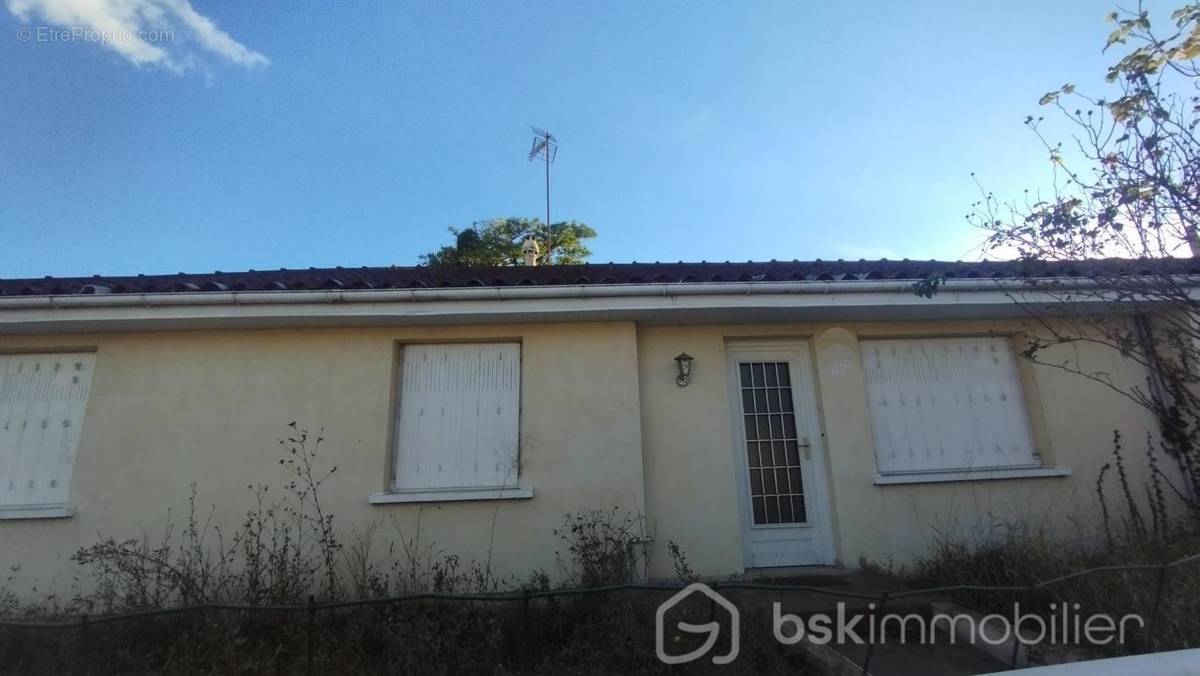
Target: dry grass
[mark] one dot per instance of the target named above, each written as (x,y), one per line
(1025,556)
(1148,525)
(287,551)
(613,634)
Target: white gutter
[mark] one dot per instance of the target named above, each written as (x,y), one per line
(647,303)
(500,293)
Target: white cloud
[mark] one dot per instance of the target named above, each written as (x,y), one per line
(154,33)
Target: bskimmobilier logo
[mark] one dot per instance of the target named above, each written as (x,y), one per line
(713,628)
(1064,623)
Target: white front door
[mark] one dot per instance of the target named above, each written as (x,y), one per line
(779,455)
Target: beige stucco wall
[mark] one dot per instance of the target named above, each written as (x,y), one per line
(689,467)
(603,424)
(169,409)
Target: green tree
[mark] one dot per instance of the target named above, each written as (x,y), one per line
(1127,186)
(498,242)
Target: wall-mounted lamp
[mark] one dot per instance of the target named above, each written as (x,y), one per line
(683,364)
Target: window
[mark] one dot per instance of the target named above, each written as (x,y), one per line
(772,444)
(946,405)
(42,401)
(457,423)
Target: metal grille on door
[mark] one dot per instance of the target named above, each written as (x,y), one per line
(773,449)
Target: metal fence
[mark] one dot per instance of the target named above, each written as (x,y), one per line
(84,623)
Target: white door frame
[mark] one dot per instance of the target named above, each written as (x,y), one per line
(798,354)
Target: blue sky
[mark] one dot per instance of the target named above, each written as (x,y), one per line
(322,133)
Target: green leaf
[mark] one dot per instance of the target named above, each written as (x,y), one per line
(499,241)
(1117,36)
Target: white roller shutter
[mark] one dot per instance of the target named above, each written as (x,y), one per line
(458,416)
(946,404)
(42,401)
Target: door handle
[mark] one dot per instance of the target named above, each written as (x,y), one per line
(807,448)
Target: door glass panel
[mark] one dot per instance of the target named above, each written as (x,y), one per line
(752,455)
(776,489)
(760,510)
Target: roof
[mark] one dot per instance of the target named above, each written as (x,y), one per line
(417,277)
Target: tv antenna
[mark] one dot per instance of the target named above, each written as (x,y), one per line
(545,147)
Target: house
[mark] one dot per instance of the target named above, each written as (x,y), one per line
(827,414)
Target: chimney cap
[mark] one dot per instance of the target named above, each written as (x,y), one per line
(531,250)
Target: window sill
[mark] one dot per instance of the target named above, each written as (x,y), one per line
(970,475)
(451,495)
(49,511)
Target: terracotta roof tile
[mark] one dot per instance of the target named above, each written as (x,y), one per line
(420,277)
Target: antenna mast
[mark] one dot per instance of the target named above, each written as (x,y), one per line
(545,147)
